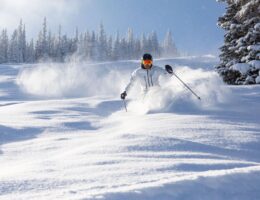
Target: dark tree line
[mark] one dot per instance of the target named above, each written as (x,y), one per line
(90,46)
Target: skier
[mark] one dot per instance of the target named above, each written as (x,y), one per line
(147,75)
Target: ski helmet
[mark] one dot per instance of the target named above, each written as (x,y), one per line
(147,56)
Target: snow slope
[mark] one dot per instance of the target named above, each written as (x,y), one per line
(64,134)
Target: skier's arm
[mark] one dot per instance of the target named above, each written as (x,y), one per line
(163,72)
(166,72)
(131,83)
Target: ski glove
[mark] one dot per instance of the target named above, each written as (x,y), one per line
(123,95)
(168,68)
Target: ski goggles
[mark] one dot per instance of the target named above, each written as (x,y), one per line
(147,62)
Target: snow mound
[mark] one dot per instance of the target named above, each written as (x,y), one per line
(255,64)
(243,68)
(173,96)
(254,47)
(257,80)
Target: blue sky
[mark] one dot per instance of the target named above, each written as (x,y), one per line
(193,22)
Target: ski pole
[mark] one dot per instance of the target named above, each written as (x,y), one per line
(187,86)
(125,105)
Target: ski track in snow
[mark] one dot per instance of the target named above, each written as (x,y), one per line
(90,148)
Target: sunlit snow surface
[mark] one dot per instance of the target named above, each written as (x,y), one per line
(64,134)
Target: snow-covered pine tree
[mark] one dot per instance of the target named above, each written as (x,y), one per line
(130,43)
(240,53)
(75,40)
(30,52)
(41,47)
(102,43)
(13,50)
(87,47)
(21,42)
(144,44)
(168,46)
(109,48)
(155,47)
(51,45)
(123,49)
(80,46)
(58,46)
(149,45)
(137,48)
(38,47)
(64,47)
(116,47)
(4,47)
(45,53)
(94,46)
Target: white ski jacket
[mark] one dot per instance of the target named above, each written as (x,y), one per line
(146,77)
